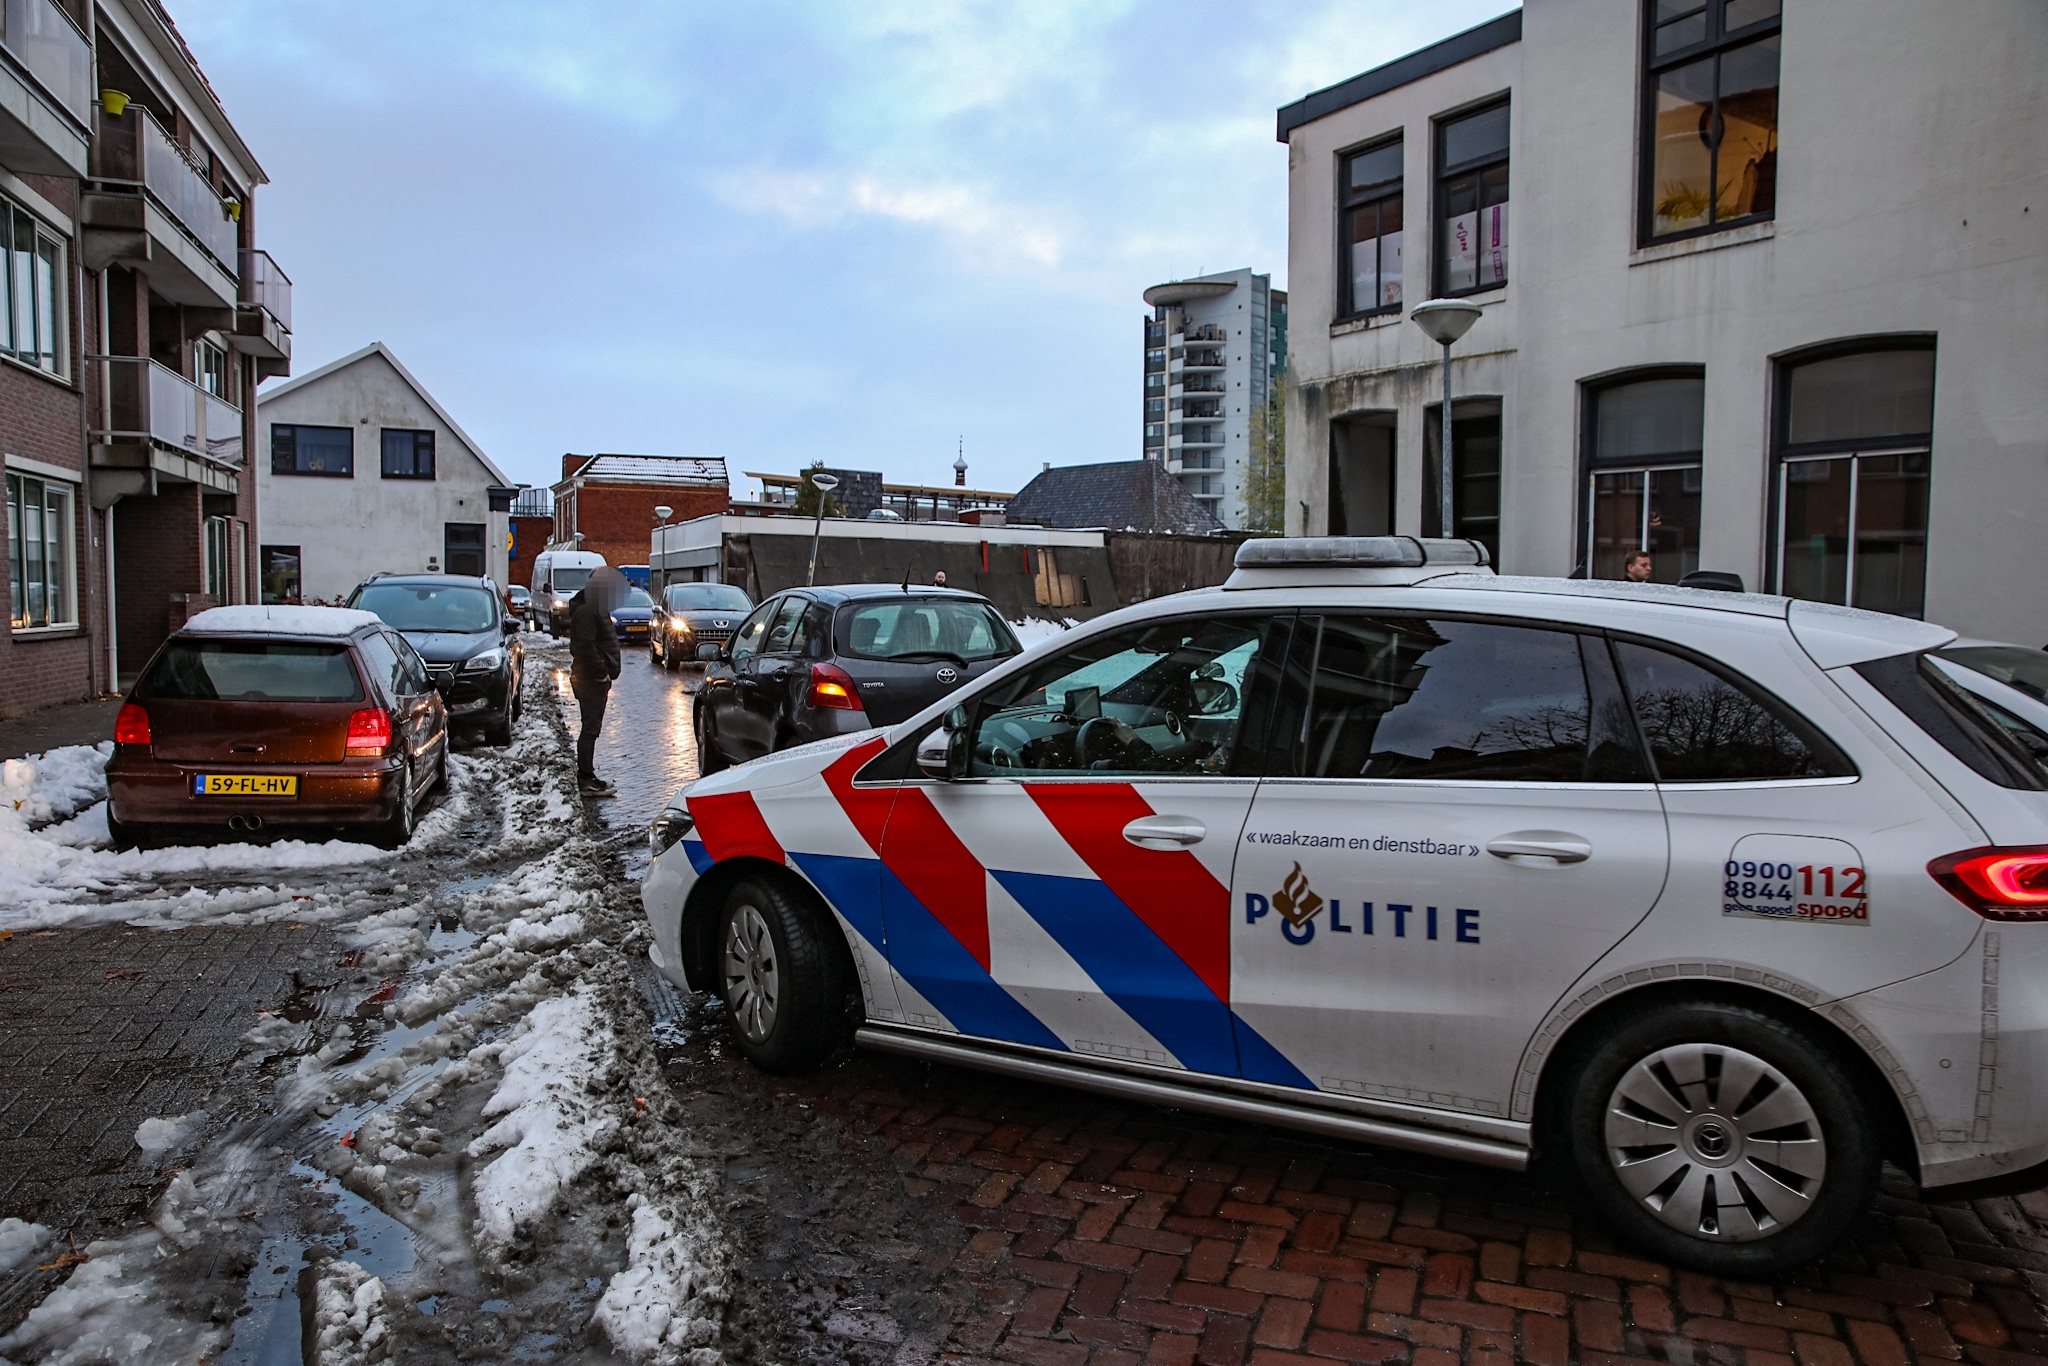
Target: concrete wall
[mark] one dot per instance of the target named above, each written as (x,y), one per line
(349,528)
(1913,212)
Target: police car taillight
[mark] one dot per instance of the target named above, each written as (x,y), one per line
(2009,883)
(833,687)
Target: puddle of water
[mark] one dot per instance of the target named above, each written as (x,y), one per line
(495,1306)
(449,938)
(384,1247)
(269,1332)
(475,882)
(429,1305)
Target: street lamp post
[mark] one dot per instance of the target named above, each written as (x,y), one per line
(824,484)
(1445,320)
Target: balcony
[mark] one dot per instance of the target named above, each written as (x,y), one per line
(45,90)
(1204,387)
(1206,332)
(263,318)
(152,418)
(148,206)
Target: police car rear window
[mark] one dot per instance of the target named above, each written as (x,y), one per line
(1955,720)
(1702,725)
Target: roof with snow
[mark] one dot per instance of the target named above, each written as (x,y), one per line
(311,377)
(692,471)
(280,620)
(1116,496)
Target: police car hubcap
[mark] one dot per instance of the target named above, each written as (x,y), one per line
(1715,1142)
(752,987)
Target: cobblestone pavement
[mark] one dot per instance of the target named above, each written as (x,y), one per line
(69,723)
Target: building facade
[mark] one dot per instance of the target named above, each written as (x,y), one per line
(864,492)
(1741,316)
(364,471)
(606,503)
(531,526)
(137,316)
(1214,347)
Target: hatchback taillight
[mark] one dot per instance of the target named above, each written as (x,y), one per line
(131,725)
(832,686)
(369,733)
(2008,883)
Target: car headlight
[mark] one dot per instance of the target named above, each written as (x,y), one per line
(679,627)
(664,830)
(561,604)
(484,662)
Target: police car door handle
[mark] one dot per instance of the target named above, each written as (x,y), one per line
(1165,832)
(1550,844)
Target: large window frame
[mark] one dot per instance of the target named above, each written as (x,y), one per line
(1384,200)
(42,553)
(35,310)
(1864,458)
(1484,180)
(1699,32)
(1645,466)
(406,453)
(285,455)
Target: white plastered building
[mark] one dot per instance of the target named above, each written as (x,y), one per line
(361,470)
(1772,298)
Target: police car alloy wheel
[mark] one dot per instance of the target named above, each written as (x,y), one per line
(783,982)
(1722,1138)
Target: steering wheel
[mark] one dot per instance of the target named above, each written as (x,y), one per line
(997,756)
(1096,740)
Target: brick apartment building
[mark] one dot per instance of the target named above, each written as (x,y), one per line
(136,318)
(609,500)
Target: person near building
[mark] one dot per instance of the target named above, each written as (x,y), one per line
(939,579)
(1639,566)
(593,664)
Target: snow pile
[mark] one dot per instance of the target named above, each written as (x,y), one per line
(282,618)
(550,1126)
(351,1323)
(1032,631)
(163,1137)
(109,1310)
(664,1307)
(56,784)
(19,1241)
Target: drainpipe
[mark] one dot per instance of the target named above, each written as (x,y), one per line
(106,421)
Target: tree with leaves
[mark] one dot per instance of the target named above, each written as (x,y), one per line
(807,495)
(1265,473)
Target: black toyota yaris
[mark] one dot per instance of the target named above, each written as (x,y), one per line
(814,662)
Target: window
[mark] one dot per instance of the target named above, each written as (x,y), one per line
(1702,726)
(298,449)
(197,669)
(213,369)
(1472,201)
(782,636)
(1370,198)
(216,537)
(1475,472)
(1853,437)
(39,553)
(408,455)
(1643,476)
(455,608)
(1444,700)
(463,548)
(32,294)
(954,629)
(381,652)
(746,642)
(280,573)
(1710,117)
(1362,475)
(1162,698)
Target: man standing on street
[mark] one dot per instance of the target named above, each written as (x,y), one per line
(1639,566)
(593,664)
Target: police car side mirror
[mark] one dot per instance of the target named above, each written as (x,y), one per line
(942,755)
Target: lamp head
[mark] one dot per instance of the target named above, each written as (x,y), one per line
(664,511)
(1444,320)
(824,483)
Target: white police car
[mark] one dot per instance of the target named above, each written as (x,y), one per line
(1721,898)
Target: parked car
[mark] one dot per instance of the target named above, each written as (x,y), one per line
(273,718)
(689,615)
(631,617)
(519,602)
(1720,899)
(472,648)
(559,575)
(814,662)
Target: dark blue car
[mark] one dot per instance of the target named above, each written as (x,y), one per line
(630,618)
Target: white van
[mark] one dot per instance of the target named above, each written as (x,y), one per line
(559,575)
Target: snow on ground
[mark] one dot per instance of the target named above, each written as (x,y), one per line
(1034,630)
(664,1306)
(19,1240)
(350,1324)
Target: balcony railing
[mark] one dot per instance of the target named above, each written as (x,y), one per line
(265,285)
(145,401)
(43,39)
(1192,388)
(135,149)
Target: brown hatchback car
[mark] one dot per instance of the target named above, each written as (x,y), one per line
(267,718)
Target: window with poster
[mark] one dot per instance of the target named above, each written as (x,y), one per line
(1370,274)
(280,573)
(1643,445)
(1710,115)
(1472,201)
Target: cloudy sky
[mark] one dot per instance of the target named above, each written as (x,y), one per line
(775,231)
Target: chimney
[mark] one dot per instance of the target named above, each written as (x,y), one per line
(573,463)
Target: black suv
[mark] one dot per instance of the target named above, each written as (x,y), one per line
(689,615)
(470,643)
(815,662)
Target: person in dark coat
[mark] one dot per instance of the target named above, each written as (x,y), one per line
(593,664)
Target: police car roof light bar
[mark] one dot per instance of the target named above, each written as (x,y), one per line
(1299,561)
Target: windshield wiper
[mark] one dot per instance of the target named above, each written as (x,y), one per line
(931,654)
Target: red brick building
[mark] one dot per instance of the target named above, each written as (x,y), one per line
(531,529)
(609,500)
(137,317)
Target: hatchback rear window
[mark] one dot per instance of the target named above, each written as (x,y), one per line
(252,671)
(928,629)
(1957,721)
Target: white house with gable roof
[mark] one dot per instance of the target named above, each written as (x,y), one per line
(365,471)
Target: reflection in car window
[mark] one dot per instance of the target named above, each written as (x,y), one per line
(430,607)
(746,642)
(252,670)
(782,636)
(1164,698)
(637,598)
(385,663)
(1448,700)
(923,629)
(414,669)
(704,597)
(2023,669)
(1704,727)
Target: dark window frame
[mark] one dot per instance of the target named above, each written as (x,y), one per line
(1716,43)
(1589,463)
(1443,172)
(291,469)
(1349,201)
(422,443)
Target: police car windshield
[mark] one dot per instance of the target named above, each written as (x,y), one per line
(430,607)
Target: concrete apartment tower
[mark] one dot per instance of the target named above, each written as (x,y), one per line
(1214,346)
